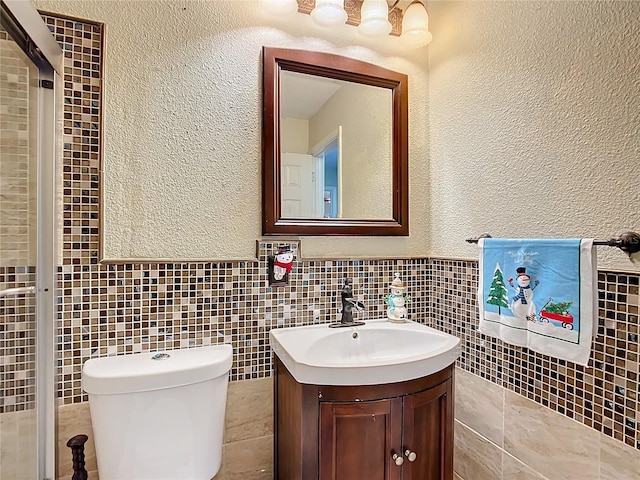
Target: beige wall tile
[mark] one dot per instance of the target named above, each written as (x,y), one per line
(74,419)
(475,458)
(248,459)
(617,460)
(514,469)
(249,410)
(479,405)
(457,477)
(554,445)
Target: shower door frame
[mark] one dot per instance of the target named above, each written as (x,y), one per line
(46,54)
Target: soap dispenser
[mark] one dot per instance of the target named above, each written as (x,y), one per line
(396,299)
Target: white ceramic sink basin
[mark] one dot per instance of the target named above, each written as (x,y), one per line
(377,352)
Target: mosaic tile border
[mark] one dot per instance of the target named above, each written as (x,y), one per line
(82,44)
(129,308)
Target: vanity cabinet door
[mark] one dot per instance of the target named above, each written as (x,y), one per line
(427,443)
(357,440)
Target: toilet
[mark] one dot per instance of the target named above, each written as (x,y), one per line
(159,416)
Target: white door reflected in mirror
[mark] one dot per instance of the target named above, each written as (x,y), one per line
(336,148)
(301,186)
(311,184)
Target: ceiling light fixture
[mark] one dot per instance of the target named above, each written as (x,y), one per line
(415,26)
(329,13)
(374,18)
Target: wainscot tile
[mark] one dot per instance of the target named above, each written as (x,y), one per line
(249,459)
(514,469)
(559,447)
(475,457)
(480,405)
(74,419)
(617,460)
(249,409)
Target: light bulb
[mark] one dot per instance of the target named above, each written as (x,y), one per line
(415,26)
(280,7)
(329,13)
(374,18)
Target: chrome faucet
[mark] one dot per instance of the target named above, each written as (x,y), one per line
(348,304)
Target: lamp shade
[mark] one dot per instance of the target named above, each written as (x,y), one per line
(329,13)
(280,7)
(374,18)
(415,26)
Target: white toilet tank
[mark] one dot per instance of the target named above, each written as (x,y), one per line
(159,416)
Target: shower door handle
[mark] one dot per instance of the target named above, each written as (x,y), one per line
(17,291)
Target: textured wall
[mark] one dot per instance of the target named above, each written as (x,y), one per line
(534,112)
(182,121)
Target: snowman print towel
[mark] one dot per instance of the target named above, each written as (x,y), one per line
(539,294)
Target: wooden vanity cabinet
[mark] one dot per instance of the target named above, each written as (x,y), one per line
(352,432)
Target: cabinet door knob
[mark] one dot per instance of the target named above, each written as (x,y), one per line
(397,459)
(411,456)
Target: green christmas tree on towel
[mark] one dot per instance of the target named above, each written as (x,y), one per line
(498,290)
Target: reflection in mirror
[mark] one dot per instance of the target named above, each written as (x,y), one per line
(334,146)
(336,162)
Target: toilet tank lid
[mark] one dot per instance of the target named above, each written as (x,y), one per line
(141,372)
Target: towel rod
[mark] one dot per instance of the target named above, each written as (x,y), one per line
(628,242)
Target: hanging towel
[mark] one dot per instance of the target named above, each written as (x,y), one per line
(540,294)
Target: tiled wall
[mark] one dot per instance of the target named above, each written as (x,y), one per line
(501,435)
(132,307)
(81,43)
(605,395)
(147,307)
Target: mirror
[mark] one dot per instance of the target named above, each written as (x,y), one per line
(335,155)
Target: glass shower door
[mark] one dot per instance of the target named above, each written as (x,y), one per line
(19,86)
(27,245)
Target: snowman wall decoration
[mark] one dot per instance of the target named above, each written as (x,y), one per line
(522,304)
(279,266)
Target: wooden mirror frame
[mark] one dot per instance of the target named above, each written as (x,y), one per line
(275,60)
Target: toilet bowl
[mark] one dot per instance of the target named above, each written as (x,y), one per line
(159,416)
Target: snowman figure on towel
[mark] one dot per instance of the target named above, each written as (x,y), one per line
(522,305)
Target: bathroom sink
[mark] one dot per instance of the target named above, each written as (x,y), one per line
(377,352)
